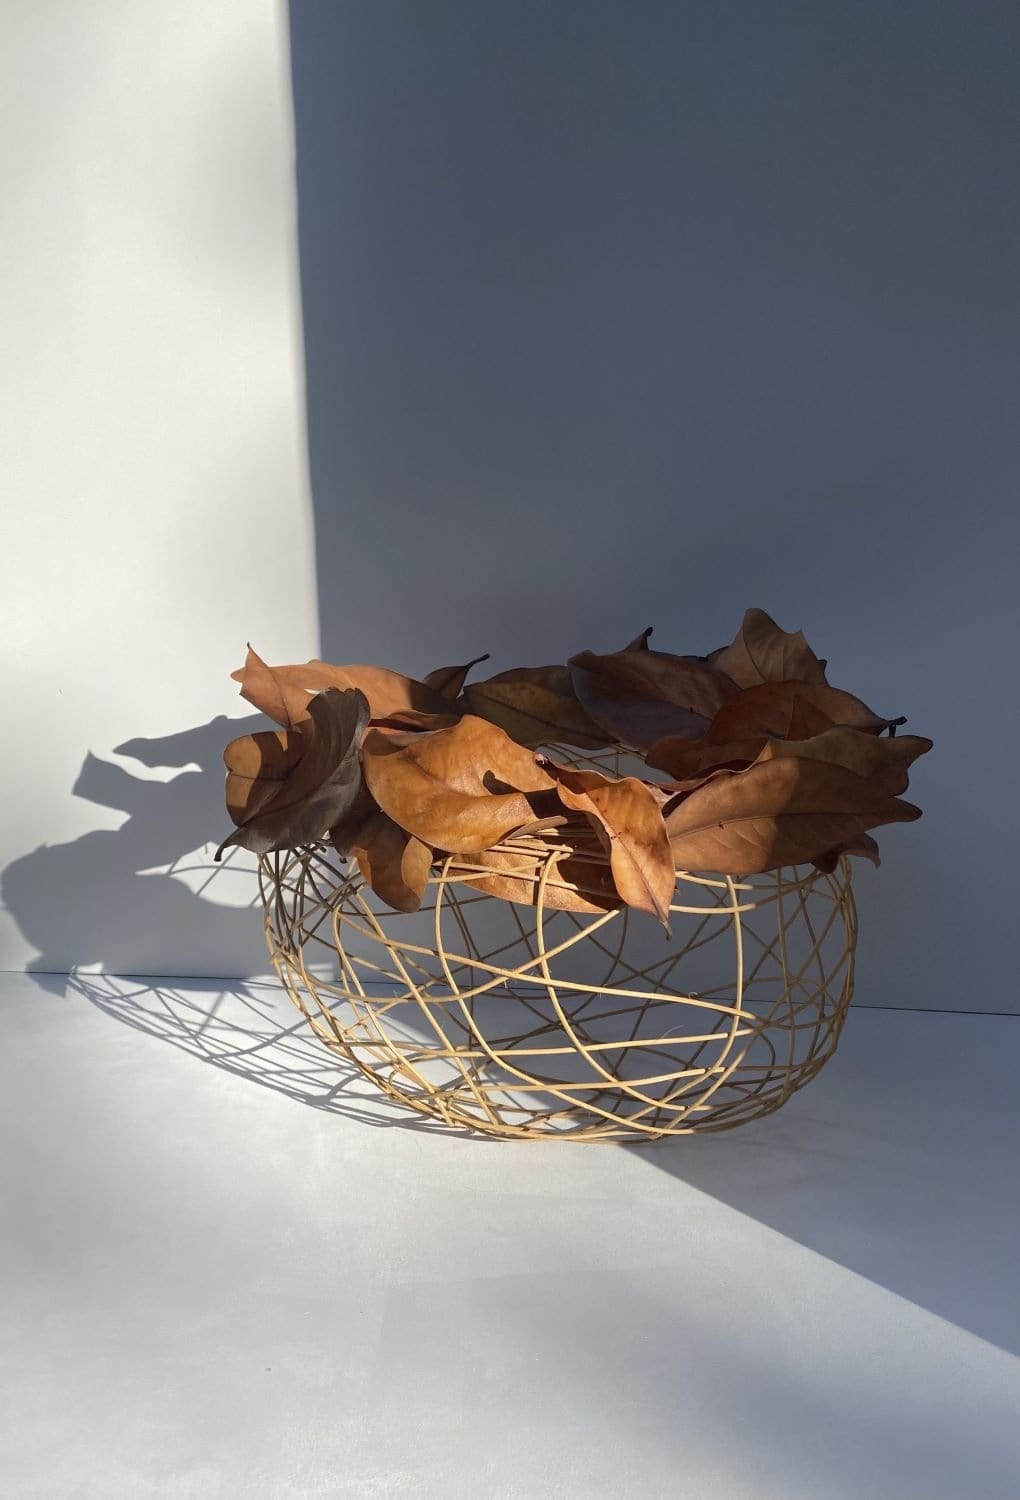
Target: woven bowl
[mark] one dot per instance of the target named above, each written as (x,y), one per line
(522,1020)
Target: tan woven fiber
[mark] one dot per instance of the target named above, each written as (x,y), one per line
(527,1021)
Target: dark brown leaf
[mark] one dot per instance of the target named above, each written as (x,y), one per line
(639,697)
(449,681)
(770,709)
(535,706)
(884,762)
(863,845)
(322,786)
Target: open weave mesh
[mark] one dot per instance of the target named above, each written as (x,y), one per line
(530,1021)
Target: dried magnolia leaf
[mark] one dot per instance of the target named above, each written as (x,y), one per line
(764,653)
(688,760)
(863,845)
(323,785)
(284,692)
(770,708)
(535,706)
(627,817)
(393,862)
(414,719)
(640,642)
(515,873)
(461,789)
(641,696)
(779,812)
(883,762)
(256,765)
(449,681)
(343,835)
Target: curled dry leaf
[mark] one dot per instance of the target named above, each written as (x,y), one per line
(284,692)
(641,696)
(864,845)
(461,789)
(627,817)
(764,653)
(321,787)
(779,812)
(640,642)
(449,681)
(393,862)
(773,708)
(256,765)
(884,761)
(535,706)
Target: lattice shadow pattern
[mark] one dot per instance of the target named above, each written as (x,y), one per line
(527,1021)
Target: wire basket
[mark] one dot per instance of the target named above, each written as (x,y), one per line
(523,1020)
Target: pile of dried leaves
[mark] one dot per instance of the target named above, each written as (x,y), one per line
(754,761)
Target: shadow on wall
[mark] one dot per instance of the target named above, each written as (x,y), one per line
(134,899)
(620,315)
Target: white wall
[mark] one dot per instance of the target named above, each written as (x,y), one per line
(153,468)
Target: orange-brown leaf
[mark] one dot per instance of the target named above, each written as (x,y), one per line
(461,789)
(393,862)
(627,817)
(284,692)
(779,812)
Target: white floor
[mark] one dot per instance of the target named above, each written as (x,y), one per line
(228,1275)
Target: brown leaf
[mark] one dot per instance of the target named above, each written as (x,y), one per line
(863,845)
(321,787)
(393,862)
(770,710)
(449,681)
(514,872)
(256,765)
(884,762)
(461,789)
(764,653)
(626,815)
(640,642)
(343,835)
(283,692)
(779,812)
(536,706)
(414,719)
(639,697)
(687,759)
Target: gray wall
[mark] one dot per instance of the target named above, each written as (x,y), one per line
(631,313)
